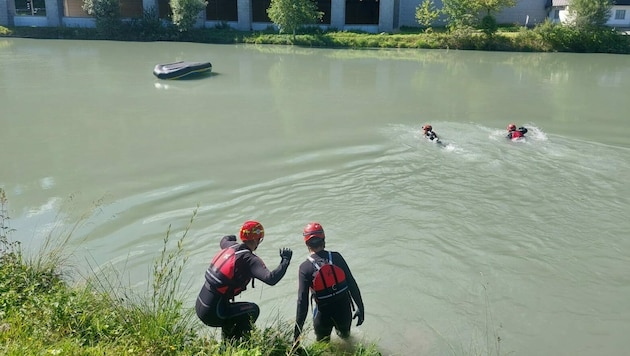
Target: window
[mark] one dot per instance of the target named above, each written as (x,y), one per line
(362,12)
(556,14)
(259,10)
(30,8)
(222,10)
(620,15)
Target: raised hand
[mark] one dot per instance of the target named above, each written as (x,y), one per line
(286,254)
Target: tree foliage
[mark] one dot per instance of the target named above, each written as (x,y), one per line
(463,14)
(495,6)
(590,13)
(107,15)
(186,12)
(290,15)
(427,13)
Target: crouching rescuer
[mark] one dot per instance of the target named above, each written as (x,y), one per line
(229,273)
(332,287)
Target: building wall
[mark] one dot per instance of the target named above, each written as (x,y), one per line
(4,13)
(621,22)
(393,14)
(526,12)
(565,16)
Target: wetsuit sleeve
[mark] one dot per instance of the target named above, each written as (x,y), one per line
(509,135)
(523,130)
(259,270)
(305,275)
(227,241)
(352,283)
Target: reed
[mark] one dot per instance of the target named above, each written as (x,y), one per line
(42,313)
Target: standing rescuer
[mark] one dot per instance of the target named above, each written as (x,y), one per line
(228,275)
(332,286)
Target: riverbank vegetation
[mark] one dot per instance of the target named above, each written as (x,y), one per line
(469,25)
(546,37)
(43,313)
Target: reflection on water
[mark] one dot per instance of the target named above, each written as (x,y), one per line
(451,246)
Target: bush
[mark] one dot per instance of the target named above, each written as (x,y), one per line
(107,15)
(186,12)
(488,25)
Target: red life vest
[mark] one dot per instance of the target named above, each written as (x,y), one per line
(517,134)
(329,280)
(224,275)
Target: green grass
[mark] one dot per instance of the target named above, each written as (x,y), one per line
(41,313)
(545,37)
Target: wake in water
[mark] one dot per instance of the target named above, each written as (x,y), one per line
(462,138)
(534,134)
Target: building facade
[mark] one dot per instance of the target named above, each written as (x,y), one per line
(619,14)
(367,15)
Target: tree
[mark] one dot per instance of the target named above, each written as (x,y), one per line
(290,15)
(461,13)
(495,6)
(426,13)
(590,13)
(186,12)
(107,15)
(466,13)
(489,22)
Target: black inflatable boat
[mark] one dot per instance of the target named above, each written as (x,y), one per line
(181,69)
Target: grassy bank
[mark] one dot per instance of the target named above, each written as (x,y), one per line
(43,313)
(546,37)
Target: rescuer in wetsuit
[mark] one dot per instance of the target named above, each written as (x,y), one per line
(427,131)
(228,275)
(514,133)
(335,310)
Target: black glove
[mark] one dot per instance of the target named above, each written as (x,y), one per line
(286,254)
(231,237)
(359,315)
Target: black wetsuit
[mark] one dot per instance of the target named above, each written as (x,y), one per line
(235,318)
(336,313)
(431,135)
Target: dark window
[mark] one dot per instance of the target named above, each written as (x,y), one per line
(324,6)
(164,9)
(30,7)
(222,10)
(362,12)
(259,10)
(131,8)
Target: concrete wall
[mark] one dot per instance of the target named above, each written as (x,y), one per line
(4,13)
(386,16)
(525,12)
(529,12)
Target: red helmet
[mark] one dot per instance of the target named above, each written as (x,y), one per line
(312,230)
(511,127)
(427,128)
(252,230)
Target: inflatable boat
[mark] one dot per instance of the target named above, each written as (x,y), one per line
(181,69)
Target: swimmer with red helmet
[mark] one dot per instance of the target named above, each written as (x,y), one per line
(427,131)
(229,273)
(514,133)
